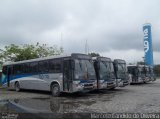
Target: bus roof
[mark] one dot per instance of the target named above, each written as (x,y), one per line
(131,65)
(75,55)
(119,61)
(138,66)
(102,59)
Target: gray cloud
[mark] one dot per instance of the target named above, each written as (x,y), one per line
(107,25)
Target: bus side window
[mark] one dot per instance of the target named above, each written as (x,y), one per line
(16,69)
(26,68)
(55,66)
(21,69)
(4,70)
(33,67)
(13,70)
(43,66)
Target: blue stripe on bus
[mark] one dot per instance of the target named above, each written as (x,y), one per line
(4,78)
(86,81)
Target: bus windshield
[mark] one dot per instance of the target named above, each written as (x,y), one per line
(147,71)
(133,71)
(121,70)
(151,72)
(141,73)
(104,70)
(84,69)
(122,67)
(112,71)
(112,68)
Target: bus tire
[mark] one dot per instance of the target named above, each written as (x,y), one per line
(55,89)
(17,86)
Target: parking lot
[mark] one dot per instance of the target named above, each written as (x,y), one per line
(140,98)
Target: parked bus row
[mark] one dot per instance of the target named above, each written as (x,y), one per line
(141,74)
(69,73)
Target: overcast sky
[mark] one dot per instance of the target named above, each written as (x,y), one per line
(112,28)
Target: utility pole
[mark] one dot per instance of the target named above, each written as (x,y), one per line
(61,42)
(86,47)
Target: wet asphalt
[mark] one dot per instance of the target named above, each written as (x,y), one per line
(139,98)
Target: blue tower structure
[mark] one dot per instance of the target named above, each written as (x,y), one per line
(148,50)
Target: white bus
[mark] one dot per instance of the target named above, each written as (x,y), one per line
(137,73)
(72,73)
(147,73)
(121,73)
(105,73)
(152,74)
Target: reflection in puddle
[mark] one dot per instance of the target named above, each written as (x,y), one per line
(52,105)
(73,105)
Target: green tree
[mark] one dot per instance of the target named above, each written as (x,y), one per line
(157,70)
(141,63)
(93,54)
(27,51)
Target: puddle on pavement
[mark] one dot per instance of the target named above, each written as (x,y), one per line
(56,105)
(43,105)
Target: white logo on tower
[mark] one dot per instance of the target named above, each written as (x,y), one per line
(146,43)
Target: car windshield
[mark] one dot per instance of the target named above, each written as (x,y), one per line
(84,69)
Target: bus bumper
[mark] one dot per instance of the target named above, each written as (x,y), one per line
(126,82)
(139,80)
(119,83)
(84,87)
(102,84)
(122,83)
(147,79)
(111,85)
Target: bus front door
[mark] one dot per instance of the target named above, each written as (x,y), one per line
(8,76)
(67,76)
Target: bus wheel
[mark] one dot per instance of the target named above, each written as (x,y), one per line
(55,89)
(17,86)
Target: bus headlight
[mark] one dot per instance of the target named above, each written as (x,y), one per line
(119,80)
(101,81)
